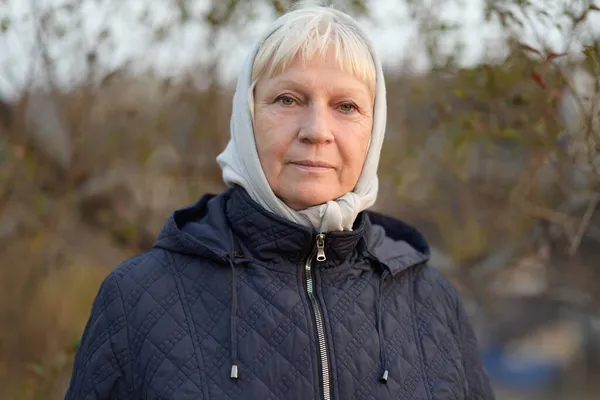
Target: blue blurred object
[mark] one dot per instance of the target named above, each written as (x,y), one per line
(506,370)
(564,141)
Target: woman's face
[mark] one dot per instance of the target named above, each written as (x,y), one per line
(312,126)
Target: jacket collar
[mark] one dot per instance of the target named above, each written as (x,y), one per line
(269,238)
(212,226)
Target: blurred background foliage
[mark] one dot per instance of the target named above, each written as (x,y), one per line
(495,163)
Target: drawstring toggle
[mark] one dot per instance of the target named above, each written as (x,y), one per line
(234,372)
(384,377)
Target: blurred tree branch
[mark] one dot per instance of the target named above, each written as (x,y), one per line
(224,12)
(512,106)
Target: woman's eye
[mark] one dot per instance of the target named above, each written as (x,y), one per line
(286,100)
(347,107)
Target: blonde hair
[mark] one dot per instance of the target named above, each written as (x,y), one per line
(309,30)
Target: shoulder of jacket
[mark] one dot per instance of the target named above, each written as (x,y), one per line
(145,265)
(145,261)
(430,282)
(151,265)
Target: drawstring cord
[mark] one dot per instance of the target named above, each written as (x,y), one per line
(234,307)
(379,310)
(234,258)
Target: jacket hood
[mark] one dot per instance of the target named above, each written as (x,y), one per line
(207,229)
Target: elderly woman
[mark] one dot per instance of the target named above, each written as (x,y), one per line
(284,286)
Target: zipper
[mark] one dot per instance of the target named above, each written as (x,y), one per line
(318,314)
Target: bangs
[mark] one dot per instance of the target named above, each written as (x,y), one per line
(304,36)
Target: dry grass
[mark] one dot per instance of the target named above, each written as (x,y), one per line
(43,314)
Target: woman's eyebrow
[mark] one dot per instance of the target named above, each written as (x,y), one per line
(289,83)
(293,84)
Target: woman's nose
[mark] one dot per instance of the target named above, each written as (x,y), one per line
(316,125)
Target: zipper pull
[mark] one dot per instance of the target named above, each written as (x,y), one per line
(321,247)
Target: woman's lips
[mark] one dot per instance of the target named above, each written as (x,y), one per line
(312,166)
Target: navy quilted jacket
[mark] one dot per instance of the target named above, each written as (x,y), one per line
(233,302)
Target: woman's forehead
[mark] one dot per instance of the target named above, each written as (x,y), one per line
(301,64)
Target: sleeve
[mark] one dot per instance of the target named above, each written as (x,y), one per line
(478,386)
(103,355)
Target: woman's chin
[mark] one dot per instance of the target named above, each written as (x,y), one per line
(302,197)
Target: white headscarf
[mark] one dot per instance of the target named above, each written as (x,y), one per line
(241,165)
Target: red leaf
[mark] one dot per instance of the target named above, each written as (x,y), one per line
(538,79)
(551,56)
(529,48)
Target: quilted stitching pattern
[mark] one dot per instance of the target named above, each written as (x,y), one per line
(160,325)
